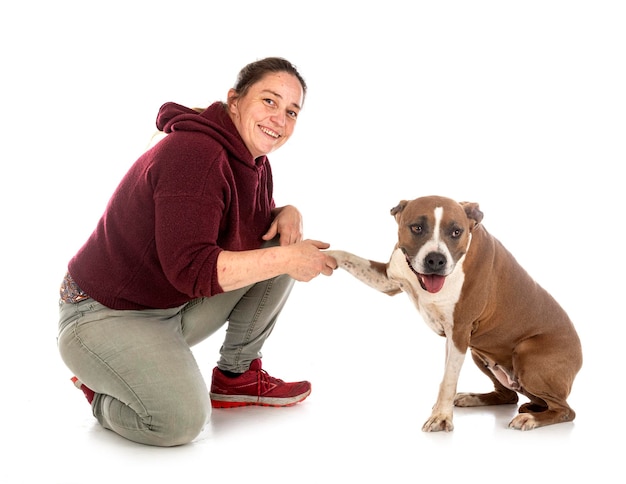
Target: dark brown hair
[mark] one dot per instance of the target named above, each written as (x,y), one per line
(255,71)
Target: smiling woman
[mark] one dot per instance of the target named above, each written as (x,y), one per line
(191,240)
(266,114)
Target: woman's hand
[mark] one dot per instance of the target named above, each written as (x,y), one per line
(307,261)
(287,224)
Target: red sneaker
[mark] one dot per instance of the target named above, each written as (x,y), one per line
(89,393)
(255,387)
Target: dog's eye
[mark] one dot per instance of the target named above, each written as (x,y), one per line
(456,233)
(417,228)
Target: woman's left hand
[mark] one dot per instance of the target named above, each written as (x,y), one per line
(287,224)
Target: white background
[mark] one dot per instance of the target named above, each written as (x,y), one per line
(519,106)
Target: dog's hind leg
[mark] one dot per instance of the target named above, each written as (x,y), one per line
(547,381)
(532,415)
(503,393)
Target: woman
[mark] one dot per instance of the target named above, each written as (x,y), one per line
(191,240)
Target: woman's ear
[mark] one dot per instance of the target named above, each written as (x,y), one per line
(231,100)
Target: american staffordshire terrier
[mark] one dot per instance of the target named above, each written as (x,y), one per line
(468,288)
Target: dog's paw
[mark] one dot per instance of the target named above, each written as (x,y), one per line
(523,421)
(468,400)
(480,399)
(339,255)
(438,422)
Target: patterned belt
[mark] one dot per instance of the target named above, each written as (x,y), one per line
(70,292)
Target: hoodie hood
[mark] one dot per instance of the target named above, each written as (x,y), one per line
(213,121)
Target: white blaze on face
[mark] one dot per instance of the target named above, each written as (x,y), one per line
(434,244)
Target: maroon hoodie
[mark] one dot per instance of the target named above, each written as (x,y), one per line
(195,193)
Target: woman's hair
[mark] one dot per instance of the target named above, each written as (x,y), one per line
(255,71)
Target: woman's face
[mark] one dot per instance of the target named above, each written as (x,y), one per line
(266,115)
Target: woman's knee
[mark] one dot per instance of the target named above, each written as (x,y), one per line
(182,417)
(179,426)
(167,419)
(182,431)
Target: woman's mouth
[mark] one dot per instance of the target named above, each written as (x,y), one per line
(270,132)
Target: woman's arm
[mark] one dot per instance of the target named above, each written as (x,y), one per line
(302,261)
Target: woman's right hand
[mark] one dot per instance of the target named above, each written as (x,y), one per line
(307,261)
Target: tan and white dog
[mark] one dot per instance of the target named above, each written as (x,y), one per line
(468,288)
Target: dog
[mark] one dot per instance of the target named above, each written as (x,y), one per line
(470,289)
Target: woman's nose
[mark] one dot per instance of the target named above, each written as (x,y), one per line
(279,118)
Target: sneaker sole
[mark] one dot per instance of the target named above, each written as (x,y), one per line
(231,401)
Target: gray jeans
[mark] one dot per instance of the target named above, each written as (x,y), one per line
(149,388)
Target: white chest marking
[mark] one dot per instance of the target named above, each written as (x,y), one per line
(437,310)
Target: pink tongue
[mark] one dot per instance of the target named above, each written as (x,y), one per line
(433,282)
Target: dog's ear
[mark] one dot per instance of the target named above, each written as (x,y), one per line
(398,208)
(473,212)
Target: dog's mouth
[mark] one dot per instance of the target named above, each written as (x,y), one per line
(429,282)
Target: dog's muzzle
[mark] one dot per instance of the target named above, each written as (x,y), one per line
(435,263)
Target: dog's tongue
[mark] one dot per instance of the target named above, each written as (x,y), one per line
(432,282)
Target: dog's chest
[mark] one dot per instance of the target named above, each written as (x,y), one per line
(437,310)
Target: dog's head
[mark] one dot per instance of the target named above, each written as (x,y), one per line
(434,233)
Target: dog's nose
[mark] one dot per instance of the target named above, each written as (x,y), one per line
(435,261)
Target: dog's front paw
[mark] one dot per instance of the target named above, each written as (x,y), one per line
(339,255)
(345,260)
(438,422)
(523,421)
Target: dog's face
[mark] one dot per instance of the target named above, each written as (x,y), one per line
(434,233)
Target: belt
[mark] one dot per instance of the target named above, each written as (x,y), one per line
(70,292)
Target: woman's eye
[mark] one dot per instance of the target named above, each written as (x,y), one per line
(292,114)
(269,101)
